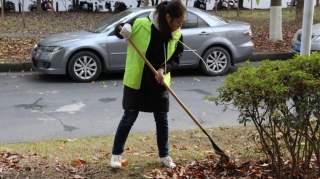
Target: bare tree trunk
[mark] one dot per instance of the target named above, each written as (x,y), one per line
(299,12)
(23,18)
(275,25)
(145,3)
(317,3)
(238,9)
(216,5)
(39,9)
(2,9)
(76,5)
(240,4)
(22,14)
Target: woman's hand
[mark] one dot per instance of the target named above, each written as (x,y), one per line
(160,76)
(125,31)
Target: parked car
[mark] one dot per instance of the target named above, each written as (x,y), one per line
(315,39)
(119,6)
(8,6)
(201,4)
(86,6)
(227,4)
(85,55)
(32,6)
(46,5)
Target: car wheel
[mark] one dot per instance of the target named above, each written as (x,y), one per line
(84,66)
(217,61)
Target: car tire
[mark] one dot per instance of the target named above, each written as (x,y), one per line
(218,61)
(84,66)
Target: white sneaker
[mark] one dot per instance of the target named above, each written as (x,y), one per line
(115,161)
(168,162)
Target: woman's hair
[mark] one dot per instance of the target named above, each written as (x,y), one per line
(175,9)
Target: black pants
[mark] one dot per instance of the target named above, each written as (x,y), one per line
(127,121)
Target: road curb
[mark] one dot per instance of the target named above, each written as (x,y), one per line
(271,56)
(15,67)
(18,67)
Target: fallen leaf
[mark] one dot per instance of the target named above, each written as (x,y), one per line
(78,177)
(124,163)
(78,163)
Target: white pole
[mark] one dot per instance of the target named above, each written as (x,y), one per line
(308,11)
(2,8)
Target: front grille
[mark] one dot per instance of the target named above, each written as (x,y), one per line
(41,64)
(34,62)
(44,64)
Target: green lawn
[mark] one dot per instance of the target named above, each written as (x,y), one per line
(53,158)
(288,15)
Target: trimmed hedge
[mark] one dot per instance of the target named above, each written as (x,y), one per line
(282,100)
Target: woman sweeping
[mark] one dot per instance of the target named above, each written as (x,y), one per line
(157,37)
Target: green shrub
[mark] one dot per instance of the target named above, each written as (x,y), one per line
(282,100)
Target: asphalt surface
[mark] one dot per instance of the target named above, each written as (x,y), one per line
(35,107)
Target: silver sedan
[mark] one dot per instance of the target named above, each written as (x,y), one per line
(85,55)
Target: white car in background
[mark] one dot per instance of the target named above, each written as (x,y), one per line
(315,39)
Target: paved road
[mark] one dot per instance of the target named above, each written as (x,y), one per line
(35,107)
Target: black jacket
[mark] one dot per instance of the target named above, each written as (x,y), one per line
(152,96)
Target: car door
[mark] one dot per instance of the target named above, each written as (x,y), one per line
(118,49)
(195,31)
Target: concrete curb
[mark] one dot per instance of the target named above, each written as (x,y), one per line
(15,67)
(18,67)
(271,56)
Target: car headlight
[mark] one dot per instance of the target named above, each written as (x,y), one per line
(49,49)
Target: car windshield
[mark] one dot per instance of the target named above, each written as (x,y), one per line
(221,19)
(102,26)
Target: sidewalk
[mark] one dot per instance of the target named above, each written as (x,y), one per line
(18,67)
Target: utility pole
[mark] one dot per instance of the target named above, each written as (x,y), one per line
(2,8)
(307,22)
(275,25)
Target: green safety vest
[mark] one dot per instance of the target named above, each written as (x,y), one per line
(140,35)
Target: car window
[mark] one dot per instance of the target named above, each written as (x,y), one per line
(100,27)
(193,21)
(217,21)
(145,14)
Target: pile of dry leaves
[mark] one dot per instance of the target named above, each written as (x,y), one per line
(9,161)
(33,166)
(212,168)
(260,37)
(16,49)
